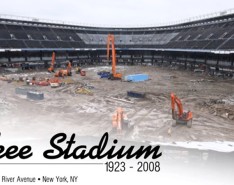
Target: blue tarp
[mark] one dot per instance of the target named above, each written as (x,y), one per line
(136,77)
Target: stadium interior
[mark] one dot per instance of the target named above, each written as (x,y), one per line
(207,42)
(59,73)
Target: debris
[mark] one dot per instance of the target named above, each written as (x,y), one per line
(170,77)
(22,90)
(67,89)
(123,100)
(169,131)
(198,71)
(201,80)
(135,94)
(12,70)
(54,85)
(88,86)
(3,78)
(231,117)
(21,79)
(78,69)
(43,83)
(27,82)
(68,81)
(55,82)
(229,101)
(193,137)
(215,101)
(33,95)
(83,90)
(82,73)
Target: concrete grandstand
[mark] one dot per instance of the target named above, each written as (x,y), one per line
(207,42)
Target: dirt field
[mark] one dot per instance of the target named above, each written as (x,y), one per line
(211,99)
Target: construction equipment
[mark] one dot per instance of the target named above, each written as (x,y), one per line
(53,82)
(119,120)
(65,72)
(51,68)
(114,75)
(104,74)
(82,73)
(180,117)
(78,70)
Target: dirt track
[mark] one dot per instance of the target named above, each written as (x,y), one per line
(210,99)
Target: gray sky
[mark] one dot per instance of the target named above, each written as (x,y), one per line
(114,12)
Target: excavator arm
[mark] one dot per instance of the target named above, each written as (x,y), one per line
(69,67)
(108,47)
(175,100)
(51,68)
(111,41)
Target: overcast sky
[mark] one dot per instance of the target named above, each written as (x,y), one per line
(114,12)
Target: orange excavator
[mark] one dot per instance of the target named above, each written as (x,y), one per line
(180,117)
(120,121)
(51,68)
(111,41)
(64,72)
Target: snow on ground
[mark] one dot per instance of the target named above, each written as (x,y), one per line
(214,146)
